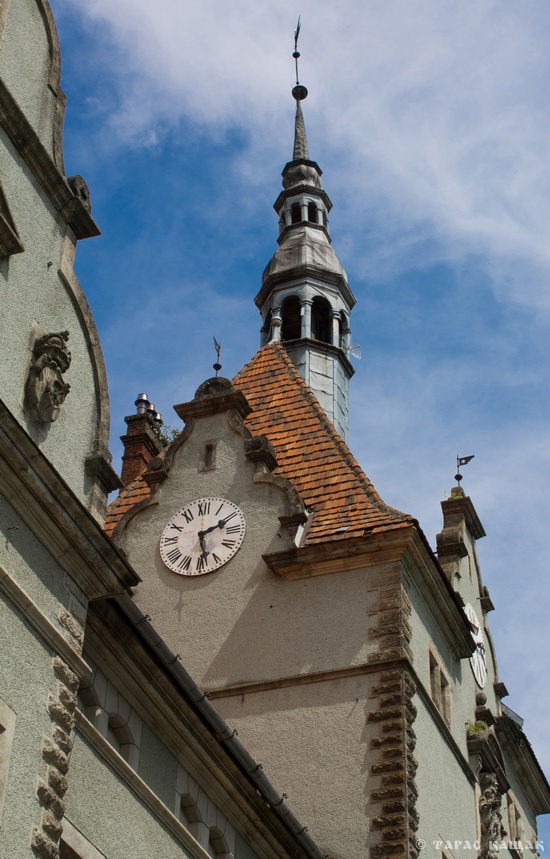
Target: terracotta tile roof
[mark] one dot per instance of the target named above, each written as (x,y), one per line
(310,453)
(129,497)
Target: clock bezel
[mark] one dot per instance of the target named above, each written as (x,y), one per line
(194,543)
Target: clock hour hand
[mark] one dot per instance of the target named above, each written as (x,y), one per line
(221,524)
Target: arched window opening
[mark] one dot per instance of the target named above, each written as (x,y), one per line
(295,213)
(292,318)
(190,816)
(321,322)
(312,213)
(120,737)
(217,845)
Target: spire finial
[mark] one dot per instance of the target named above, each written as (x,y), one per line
(299,92)
(218,347)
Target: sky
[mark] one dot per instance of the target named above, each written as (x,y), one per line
(430,121)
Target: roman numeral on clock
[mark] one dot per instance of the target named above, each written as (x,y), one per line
(185,563)
(174,555)
(168,540)
(188,515)
(233,529)
(204,508)
(229,543)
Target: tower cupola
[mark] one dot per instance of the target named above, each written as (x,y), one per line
(305,300)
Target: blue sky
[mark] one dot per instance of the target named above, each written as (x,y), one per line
(430,122)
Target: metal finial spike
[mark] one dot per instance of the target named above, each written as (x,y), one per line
(218,347)
(296,53)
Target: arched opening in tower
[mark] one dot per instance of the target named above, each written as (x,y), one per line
(292,318)
(295,213)
(321,322)
(312,213)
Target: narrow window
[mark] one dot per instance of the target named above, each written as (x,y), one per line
(312,213)
(295,213)
(321,322)
(292,318)
(207,457)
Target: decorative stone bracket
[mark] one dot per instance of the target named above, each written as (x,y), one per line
(45,388)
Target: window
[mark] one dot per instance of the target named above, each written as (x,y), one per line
(321,321)
(113,717)
(440,689)
(312,213)
(515,823)
(292,318)
(217,845)
(295,213)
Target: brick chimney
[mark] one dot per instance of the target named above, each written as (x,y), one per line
(142,442)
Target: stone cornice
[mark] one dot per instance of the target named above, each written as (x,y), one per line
(124,654)
(519,753)
(124,771)
(27,143)
(55,515)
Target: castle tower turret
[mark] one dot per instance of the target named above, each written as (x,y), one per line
(305,300)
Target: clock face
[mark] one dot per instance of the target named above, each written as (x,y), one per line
(478,659)
(202,536)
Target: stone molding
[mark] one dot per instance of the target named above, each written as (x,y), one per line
(56,750)
(392,767)
(48,173)
(52,637)
(57,517)
(102,746)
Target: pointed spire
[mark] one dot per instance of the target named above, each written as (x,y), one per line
(300,139)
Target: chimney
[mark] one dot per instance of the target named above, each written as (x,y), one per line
(142,442)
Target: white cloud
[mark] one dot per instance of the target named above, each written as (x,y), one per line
(433,114)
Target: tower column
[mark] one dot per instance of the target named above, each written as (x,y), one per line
(276,322)
(305,307)
(336,327)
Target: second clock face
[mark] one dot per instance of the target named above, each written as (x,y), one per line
(202,536)
(478,659)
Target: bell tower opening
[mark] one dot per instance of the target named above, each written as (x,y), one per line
(321,324)
(292,318)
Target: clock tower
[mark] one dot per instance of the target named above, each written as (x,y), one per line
(305,300)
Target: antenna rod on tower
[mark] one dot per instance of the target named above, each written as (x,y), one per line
(296,53)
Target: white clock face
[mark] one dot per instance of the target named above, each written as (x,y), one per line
(478,659)
(202,536)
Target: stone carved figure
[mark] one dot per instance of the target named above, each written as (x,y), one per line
(490,814)
(45,388)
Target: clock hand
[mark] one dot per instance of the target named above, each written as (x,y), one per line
(221,523)
(204,553)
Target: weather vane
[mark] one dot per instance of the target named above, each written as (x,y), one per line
(296,53)
(299,92)
(461,460)
(218,347)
